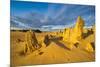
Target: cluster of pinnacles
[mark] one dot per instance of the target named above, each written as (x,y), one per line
(72,35)
(75,35)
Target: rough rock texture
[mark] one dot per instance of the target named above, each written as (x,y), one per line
(89,47)
(31,42)
(66,34)
(78,30)
(46,40)
(77,33)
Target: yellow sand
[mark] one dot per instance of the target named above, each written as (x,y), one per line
(53,53)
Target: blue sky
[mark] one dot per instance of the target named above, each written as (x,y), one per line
(51,15)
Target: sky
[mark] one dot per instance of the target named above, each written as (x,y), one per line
(49,16)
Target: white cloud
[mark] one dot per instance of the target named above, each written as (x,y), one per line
(20,23)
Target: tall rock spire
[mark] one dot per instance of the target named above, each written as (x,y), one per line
(78,29)
(74,34)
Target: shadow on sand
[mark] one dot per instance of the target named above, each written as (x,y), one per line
(56,41)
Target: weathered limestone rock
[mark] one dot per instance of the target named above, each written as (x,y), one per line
(66,34)
(77,33)
(59,33)
(47,40)
(31,42)
(78,30)
(89,47)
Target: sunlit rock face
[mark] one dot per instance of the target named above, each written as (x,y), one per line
(77,33)
(78,30)
(89,47)
(66,34)
(31,42)
(74,34)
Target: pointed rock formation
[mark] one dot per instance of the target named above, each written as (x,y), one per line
(78,30)
(77,33)
(46,40)
(74,34)
(89,47)
(66,34)
(31,42)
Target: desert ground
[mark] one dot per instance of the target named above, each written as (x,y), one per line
(54,47)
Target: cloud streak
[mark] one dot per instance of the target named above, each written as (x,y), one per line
(51,15)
